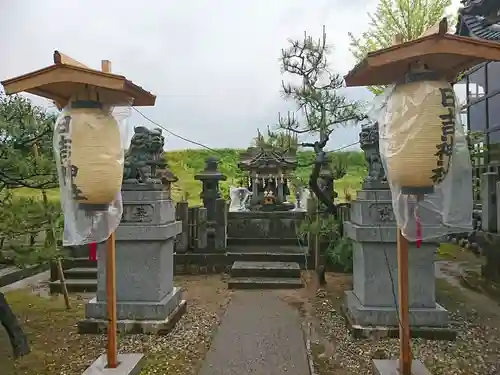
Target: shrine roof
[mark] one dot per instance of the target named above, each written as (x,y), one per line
(263,158)
(480,19)
(479,7)
(476,26)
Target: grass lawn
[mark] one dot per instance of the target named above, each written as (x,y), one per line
(51,331)
(58,349)
(52,194)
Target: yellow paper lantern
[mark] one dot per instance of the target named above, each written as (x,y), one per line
(94,155)
(419,130)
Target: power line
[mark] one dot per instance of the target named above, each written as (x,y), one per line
(343,147)
(205,146)
(172,133)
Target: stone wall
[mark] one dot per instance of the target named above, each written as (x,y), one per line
(273,227)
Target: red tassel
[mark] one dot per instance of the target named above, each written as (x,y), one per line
(93,251)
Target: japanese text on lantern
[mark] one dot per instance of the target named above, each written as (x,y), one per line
(68,171)
(445,146)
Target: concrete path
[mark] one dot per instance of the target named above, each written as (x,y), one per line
(259,334)
(28,282)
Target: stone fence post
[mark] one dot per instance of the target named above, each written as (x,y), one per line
(220,233)
(201,223)
(182,240)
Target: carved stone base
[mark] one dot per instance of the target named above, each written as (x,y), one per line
(135,327)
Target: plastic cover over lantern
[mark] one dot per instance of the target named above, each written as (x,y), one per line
(425,153)
(89,157)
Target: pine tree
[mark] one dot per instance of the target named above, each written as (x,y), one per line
(320,107)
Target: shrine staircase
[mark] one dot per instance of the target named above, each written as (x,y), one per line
(265,275)
(266,264)
(80,273)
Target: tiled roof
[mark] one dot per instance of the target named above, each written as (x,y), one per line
(473,25)
(258,158)
(478,7)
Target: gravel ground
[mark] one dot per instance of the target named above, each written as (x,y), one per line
(475,352)
(49,325)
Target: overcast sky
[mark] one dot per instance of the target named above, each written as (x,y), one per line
(213,64)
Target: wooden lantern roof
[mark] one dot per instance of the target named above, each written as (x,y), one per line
(446,54)
(60,81)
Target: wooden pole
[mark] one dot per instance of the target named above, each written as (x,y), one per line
(112,347)
(60,273)
(403,300)
(404,324)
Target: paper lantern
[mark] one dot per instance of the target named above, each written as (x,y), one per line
(419,129)
(95,155)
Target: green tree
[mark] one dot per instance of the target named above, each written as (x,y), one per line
(22,125)
(408,18)
(280,140)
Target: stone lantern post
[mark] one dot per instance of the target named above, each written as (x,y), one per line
(147,299)
(216,207)
(371,306)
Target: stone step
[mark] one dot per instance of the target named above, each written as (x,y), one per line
(268,257)
(235,241)
(266,248)
(74,286)
(81,273)
(266,269)
(264,283)
(70,264)
(82,262)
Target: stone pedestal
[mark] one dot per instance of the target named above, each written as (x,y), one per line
(128,364)
(373,300)
(147,301)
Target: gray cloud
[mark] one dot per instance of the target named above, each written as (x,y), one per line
(213,64)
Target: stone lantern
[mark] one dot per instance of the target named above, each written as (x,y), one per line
(216,207)
(210,192)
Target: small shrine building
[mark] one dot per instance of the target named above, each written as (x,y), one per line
(268,173)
